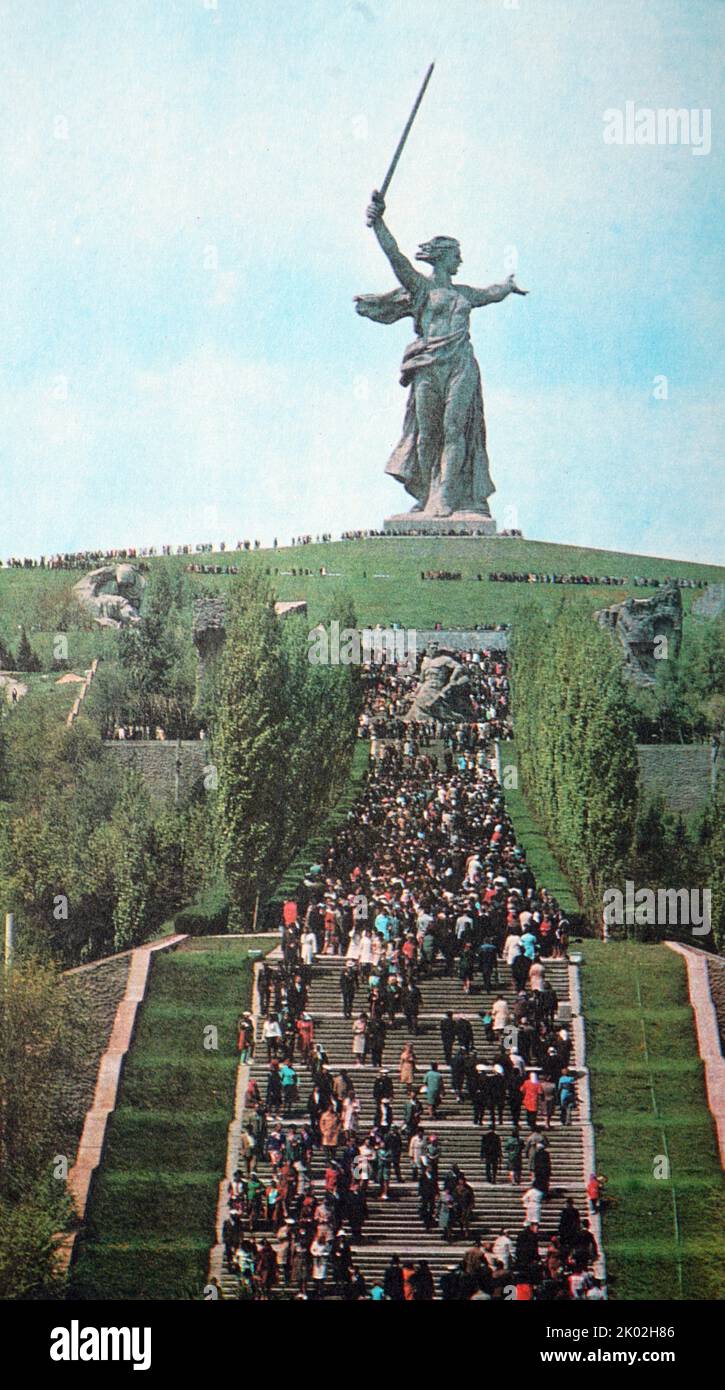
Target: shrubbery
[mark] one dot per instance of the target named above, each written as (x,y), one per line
(41,1035)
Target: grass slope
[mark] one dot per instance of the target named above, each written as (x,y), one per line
(383,577)
(151,1217)
(319,841)
(663,1237)
(539,854)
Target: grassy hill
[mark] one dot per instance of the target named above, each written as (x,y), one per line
(383,576)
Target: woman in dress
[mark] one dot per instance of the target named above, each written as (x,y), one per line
(366,952)
(408,1065)
(352,954)
(359,1039)
(350,1114)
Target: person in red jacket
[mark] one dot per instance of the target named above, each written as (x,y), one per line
(595,1188)
(530,1091)
(306,1030)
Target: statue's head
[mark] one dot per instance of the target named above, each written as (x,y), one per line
(442,251)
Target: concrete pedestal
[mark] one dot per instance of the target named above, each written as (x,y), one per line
(458,524)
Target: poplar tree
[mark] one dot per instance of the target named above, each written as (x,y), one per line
(250,748)
(576,746)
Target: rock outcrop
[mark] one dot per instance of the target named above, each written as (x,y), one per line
(112,594)
(649,630)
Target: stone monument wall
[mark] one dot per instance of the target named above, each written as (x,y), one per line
(156,761)
(466,640)
(680,773)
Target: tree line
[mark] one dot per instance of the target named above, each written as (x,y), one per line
(283,740)
(577,727)
(89,861)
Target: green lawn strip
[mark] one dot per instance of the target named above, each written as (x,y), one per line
(176,1032)
(539,854)
(666,1037)
(141,1270)
(191,1087)
(655,1137)
(151,1217)
(140,1203)
(166,1141)
(634,1066)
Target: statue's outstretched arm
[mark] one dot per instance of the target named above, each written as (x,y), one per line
(402,268)
(492,294)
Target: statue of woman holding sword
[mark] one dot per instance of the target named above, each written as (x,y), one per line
(441,459)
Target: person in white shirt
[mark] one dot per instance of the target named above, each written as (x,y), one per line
(503,1250)
(309,948)
(531,1203)
(511,947)
(536,976)
(350,1112)
(272,1035)
(499,1014)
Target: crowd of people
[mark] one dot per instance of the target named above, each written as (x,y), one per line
(361,535)
(604,581)
(388,690)
(186,729)
(92,559)
(424,879)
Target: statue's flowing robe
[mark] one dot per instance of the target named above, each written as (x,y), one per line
(474,485)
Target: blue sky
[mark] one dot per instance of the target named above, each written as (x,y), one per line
(183,233)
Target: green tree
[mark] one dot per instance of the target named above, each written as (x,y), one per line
(40,1042)
(26,660)
(158,658)
(249,747)
(714,862)
(576,745)
(323,705)
(134,874)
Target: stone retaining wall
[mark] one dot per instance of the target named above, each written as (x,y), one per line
(98,990)
(679,772)
(108,1079)
(160,763)
(708,1035)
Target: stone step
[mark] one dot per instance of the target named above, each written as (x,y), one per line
(394,1226)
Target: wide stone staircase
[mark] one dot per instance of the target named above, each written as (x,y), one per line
(394,1226)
